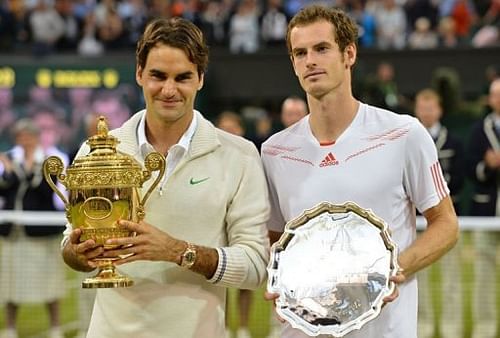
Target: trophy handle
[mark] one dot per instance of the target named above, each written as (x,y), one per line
(153,162)
(53,165)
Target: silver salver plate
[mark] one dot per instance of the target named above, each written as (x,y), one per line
(331,269)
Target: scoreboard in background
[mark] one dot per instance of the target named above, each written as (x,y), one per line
(23,77)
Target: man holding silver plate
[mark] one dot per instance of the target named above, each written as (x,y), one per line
(347,180)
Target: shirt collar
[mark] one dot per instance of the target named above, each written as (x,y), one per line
(434,130)
(184,142)
(496,121)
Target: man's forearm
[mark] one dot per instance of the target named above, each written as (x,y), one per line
(439,237)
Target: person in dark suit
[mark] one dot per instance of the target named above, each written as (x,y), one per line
(483,167)
(30,270)
(451,155)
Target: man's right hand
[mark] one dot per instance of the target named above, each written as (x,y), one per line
(80,255)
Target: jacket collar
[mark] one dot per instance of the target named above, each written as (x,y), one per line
(204,140)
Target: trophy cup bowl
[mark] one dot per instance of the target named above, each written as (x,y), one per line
(103,188)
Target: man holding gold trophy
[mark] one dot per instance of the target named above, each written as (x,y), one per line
(203,226)
(348,151)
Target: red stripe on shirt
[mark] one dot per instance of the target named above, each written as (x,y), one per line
(438,180)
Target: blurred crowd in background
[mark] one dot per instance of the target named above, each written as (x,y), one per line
(93,27)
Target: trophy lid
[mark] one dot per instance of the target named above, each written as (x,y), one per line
(104,166)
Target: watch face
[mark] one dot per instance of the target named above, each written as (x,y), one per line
(190,257)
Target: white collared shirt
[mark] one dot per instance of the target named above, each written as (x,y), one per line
(175,153)
(434,130)
(496,121)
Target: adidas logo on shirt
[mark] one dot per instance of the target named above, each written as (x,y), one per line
(329,160)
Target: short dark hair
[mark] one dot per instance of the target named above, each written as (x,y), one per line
(345,29)
(175,32)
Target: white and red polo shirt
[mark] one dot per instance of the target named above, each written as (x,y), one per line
(384,162)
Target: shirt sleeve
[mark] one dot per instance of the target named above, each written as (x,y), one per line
(423,176)
(243,262)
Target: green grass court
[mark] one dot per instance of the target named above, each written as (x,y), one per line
(33,319)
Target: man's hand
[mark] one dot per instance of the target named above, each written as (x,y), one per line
(80,256)
(149,243)
(400,278)
(272,297)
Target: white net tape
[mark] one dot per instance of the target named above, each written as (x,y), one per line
(58,218)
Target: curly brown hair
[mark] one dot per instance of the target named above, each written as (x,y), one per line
(175,32)
(345,29)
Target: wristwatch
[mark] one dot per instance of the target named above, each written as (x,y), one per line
(188,256)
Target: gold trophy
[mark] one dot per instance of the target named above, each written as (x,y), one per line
(103,188)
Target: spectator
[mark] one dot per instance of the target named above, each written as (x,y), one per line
(382,89)
(213,21)
(451,157)
(448,37)
(244,28)
(391,25)
(366,21)
(488,34)
(231,122)
(72,27)
(89,45)
(484,170)
(293,109)
(416,9)
(423,37)
(490,74)
(30,271)
(109,24)
(134,14)
(7,29)
(47,28)
(273,24)
(463,13)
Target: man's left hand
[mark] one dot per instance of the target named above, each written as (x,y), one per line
(399,278)
(149,243)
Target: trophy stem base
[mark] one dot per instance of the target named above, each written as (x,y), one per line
(107,277)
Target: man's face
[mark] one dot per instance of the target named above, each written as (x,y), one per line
(317,60)
(169,83)
(494,97)
(292,111)
(428,111)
